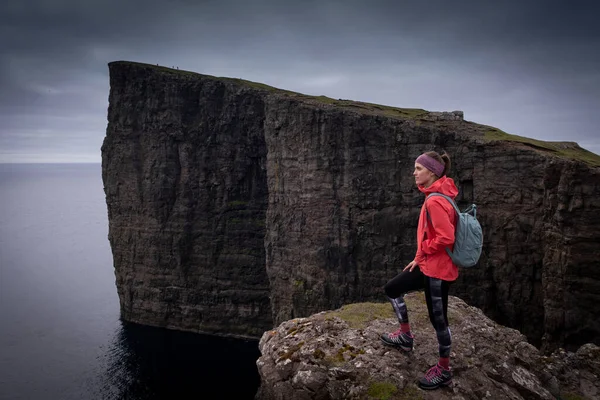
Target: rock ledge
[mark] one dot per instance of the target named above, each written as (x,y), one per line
(338,355)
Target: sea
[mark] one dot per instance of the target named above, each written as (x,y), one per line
(61,336)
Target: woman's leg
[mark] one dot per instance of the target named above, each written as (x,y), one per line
(436,295)
(395,290)
(404,282)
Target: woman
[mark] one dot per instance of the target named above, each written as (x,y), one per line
(432,269)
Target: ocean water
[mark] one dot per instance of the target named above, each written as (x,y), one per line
(60,332)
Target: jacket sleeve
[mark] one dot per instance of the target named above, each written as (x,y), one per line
(442,226)
(419,257)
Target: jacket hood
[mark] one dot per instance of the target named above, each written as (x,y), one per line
(444,185)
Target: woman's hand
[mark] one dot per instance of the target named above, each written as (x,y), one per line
(411,265)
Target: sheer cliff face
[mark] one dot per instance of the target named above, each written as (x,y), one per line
(343,209)
(183,165)
(233,208)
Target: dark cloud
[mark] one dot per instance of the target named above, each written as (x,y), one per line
(528,67)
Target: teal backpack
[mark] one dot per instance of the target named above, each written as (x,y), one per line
(468,235)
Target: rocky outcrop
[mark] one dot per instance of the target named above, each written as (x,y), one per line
(444,116)
(234,206)
(338,355)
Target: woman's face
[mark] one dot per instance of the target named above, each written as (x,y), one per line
(423,176)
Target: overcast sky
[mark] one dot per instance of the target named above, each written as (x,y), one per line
(530,68)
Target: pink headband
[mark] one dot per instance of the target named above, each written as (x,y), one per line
(431,164)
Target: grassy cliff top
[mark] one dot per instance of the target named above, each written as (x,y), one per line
(569,150)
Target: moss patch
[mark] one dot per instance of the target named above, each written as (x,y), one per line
(381,390)
(571,396)
(237,203)
(345,351)
(292,331)
(569,150)
(409,393)
(284,355)
(299,327)
(319,354)
(359,314)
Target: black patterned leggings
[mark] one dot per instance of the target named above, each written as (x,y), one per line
(436,295)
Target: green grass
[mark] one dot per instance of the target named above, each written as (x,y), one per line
(381,390)
(369,108)
(569,150)
(571,396)
(256,85)
(358,314)
(389,391)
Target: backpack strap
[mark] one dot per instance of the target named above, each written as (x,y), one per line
(444,196)
(472,209)
(447,198)
(455,209)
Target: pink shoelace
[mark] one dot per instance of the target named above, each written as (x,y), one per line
(433,372)
(396,333)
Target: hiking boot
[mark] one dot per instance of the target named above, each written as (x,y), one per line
(434,378)
(398,339)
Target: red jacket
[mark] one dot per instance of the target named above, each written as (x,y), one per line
(434,235)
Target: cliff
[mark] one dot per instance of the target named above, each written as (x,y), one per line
(234,206)
(338,355)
